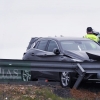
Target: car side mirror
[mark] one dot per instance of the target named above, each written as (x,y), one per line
(56,51)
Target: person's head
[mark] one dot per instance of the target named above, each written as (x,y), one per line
(89,30)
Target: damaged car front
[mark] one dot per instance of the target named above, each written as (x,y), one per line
(82,51)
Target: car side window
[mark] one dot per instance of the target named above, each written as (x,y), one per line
(42,45)
(37,44)
(51,46)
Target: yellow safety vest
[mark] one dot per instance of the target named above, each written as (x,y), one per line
(92,37)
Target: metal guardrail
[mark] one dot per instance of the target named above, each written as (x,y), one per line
(11,68)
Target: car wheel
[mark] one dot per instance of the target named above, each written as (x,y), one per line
(26,76)
(66,79)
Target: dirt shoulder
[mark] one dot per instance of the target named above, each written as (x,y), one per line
(46,92)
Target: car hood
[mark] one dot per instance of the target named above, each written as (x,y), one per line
(84,55)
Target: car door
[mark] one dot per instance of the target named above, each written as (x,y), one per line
(48,55)
(36,50)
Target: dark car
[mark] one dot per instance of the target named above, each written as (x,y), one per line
(62,49)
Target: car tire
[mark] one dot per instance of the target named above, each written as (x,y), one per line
(66,79)
(26,76)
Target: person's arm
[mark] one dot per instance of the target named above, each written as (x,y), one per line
(96,39)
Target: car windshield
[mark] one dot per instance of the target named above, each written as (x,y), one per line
(80,45)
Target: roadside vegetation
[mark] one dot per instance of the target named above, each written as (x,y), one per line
(33,92)
(19,92)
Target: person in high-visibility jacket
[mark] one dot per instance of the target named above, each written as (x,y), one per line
(91,35)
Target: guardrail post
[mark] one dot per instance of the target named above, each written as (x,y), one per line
(81,73)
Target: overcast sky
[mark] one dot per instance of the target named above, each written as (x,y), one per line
(22,19)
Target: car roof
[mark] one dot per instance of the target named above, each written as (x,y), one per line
(64,38)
